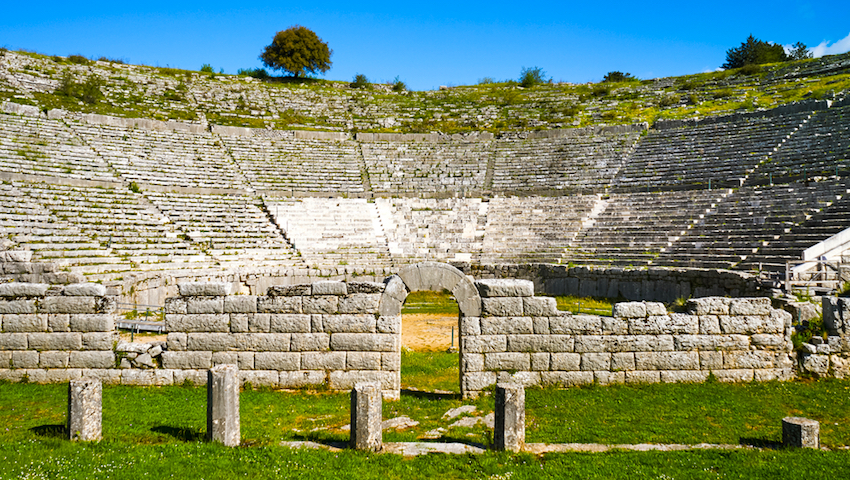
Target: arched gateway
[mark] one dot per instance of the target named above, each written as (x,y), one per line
(429,276)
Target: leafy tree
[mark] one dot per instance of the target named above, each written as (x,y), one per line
(800,52)
(617,76)
(754,52)
(529,77)
(297,51)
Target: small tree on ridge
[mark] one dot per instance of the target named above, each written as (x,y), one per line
(297,51)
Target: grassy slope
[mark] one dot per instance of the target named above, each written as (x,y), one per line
(157,431)
(129,91)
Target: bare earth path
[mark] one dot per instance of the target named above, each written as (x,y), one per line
(428,332)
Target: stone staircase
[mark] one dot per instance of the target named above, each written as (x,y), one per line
(332,231)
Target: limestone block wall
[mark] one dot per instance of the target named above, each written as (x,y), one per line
(327,332)
(830,356)
(55,333)
(525,339)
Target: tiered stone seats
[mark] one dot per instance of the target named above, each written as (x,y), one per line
(832,218)
(332,231)
(233,229)
(722,150)
(583,161)
(633,229)
(433,229)
(164,158)
(96,230)
(298,165)
(38,146)
(533,229)
(745,221)
(820,146)
(426,168)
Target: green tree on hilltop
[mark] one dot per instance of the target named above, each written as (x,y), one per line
(297,51)
(754,52)
(800,52)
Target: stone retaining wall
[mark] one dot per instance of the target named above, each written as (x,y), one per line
(525,339)
(337,333)
(658,284)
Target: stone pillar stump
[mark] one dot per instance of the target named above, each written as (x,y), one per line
(85,406)
(510,417)
(366,413)
(800,432)
(223,405)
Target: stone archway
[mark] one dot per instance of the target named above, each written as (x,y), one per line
(431,276)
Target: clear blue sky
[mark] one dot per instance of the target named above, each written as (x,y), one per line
(428,44)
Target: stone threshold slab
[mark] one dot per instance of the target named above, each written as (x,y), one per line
(410,449)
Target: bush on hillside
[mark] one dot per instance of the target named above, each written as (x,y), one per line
(360,81)
(529,77)
(617,76)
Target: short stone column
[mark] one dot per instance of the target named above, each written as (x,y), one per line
(800,432)
(85,409)
(223,405)
(510,417)
(366,413)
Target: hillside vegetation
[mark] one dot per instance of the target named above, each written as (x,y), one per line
(76,84)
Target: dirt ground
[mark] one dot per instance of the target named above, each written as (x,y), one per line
(422,332)
(142,337)
(428,332)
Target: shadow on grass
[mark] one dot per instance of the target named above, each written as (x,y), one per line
(318,437)
(429,395)
(760,443)
(179,433)
(51,431)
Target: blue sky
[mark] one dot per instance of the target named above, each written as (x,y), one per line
(431,43)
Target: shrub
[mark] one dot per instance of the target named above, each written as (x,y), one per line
(78,59)
(723,93)
(207,68)
(600,90)
(617,76)
(90,90)
(360,81)
(669,100)
(529,77)
(750,69)
(134,187)
(111,60)
(260,73)
(486,81)
(398,85)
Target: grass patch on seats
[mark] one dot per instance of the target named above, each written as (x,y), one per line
(158,431)
(587,305)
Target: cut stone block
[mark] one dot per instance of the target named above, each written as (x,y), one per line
(203,289)
(85,397)
(223,405)
(509,431)
(800,432)
(505,288)
(366,413)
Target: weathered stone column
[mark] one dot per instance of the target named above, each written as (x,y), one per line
(223,405)
(366,413)
(85,406)
(510,417)
(800,432)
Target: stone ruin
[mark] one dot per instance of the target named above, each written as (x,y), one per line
(337,334)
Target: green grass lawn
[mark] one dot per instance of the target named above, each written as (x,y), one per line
(158,431)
